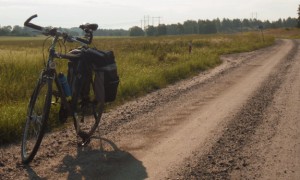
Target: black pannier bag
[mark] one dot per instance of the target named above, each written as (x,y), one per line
(91,67)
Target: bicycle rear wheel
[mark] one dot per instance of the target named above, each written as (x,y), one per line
(87,119)
(37,116)
(87,112)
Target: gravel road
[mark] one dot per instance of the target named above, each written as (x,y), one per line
(236,121)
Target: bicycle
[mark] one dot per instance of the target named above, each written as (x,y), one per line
(86,113)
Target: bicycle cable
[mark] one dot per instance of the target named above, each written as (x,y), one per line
(65,47)
(43,50)
(59,44)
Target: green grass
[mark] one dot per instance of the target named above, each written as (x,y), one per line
(144,65)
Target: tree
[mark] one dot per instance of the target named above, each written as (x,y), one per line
(279,23)
(267,24)
(211,27)
(226,25)
(136,31)
(173,29)
(5,30)
(151,31)
(217,23)
(201,26)
(236,23)
(180,28)
(207,27)
(190,27)
(161,30)
(298,25)
(17,31)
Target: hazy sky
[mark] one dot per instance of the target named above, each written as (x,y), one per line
(128,13)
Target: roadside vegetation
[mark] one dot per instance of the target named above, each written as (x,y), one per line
(144,65)
(284,33)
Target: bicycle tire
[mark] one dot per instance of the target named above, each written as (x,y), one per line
(87,115)
(37,117)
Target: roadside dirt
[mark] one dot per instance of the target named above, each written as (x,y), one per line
(236,121)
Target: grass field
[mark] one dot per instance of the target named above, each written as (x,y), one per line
(144,64)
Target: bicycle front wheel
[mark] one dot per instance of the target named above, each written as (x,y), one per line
(37,116)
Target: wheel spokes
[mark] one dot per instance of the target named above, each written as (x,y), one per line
(36,122)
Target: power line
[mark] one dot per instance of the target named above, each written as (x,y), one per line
(145,22)
(153,18)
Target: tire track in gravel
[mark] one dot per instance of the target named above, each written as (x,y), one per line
(226,156)
(273,151)
(194,117)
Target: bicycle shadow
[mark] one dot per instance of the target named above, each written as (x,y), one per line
(107,162)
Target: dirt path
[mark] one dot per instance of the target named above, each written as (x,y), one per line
(237,121)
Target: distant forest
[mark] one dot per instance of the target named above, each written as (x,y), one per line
(188,27)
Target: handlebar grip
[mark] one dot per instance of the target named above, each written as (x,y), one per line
(33,26)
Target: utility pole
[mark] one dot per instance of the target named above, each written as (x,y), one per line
(146,21)
(156,18)
(254,15)
(152,21)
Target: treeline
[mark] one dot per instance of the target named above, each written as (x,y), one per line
(25,31)
(212,27)
(188,27)
(15,31)
(111,32)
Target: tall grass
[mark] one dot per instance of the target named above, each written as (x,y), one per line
(144,64)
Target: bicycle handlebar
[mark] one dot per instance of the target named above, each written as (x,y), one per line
(33,26)
(88,28)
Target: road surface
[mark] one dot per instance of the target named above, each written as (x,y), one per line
(237,121)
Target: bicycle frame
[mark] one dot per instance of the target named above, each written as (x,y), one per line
(50,73)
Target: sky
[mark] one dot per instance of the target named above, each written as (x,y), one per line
(128,13)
